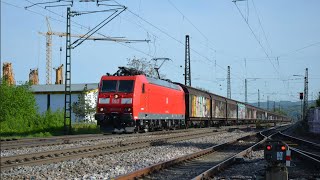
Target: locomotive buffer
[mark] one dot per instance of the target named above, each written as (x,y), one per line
(277,155)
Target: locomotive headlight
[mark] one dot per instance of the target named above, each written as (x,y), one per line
(128,109)
(101,109)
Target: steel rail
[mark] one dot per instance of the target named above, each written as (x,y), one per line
(304,149)
(67,139)
(303,141)
(58,140)
(160,166)
(95,150)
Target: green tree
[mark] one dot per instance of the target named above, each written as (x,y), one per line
(82,107)
(142,65)
(18,109)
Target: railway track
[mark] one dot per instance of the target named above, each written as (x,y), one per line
(202,164)
(49,141)
(304,160)
(300,147)
(59,140)
(69,139)
(97,150)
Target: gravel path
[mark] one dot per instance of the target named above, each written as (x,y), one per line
(109,166)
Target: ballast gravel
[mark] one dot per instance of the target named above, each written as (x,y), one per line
(13,152)
(253,166)
(110,166)
(250,167)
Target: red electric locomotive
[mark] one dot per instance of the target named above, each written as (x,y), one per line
(136,103)
(130,102)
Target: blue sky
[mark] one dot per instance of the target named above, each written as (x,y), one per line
(219,37)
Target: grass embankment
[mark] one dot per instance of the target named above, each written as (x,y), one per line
(19,116)
(45,125)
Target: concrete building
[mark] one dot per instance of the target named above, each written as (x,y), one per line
(314,120)
(52,96)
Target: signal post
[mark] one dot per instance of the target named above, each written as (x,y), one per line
(276,154)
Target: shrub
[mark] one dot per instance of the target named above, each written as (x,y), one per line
(17,108)
(19,116)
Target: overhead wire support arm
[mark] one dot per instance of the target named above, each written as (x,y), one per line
(96,28)
(51,2)
(121,40)
(78,13)
(57,6)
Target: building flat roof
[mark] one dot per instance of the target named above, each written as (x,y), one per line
(59,88)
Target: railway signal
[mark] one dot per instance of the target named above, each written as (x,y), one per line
(301,96)
(277,155)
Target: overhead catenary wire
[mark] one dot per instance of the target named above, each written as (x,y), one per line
(264,33)
(180,42)
(256,38)
(185,17)
(167,34)
(300,49)
(209,60)
(202,34)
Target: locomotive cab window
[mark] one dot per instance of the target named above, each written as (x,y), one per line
(109,86)
(126,86)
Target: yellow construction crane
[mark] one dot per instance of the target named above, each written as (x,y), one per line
(48,53)
(50,33)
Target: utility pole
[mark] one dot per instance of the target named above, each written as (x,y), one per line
(245,91)
(301,98)
(258,97)
(305,102)
(279,106)
(229,84)
(114,10)
(67,83)
(274,106)
(187,70)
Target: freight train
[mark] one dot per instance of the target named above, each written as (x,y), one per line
(138,103)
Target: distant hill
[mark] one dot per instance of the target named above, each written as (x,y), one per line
(293,109)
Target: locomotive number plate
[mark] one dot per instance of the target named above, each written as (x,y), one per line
(115,101)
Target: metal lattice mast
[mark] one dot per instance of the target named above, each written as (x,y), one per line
(187,71)
(258,97)
(305,102)
(48,53)
(67,95)
(267,102)
(115,11)
(245,91)
(229,84)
